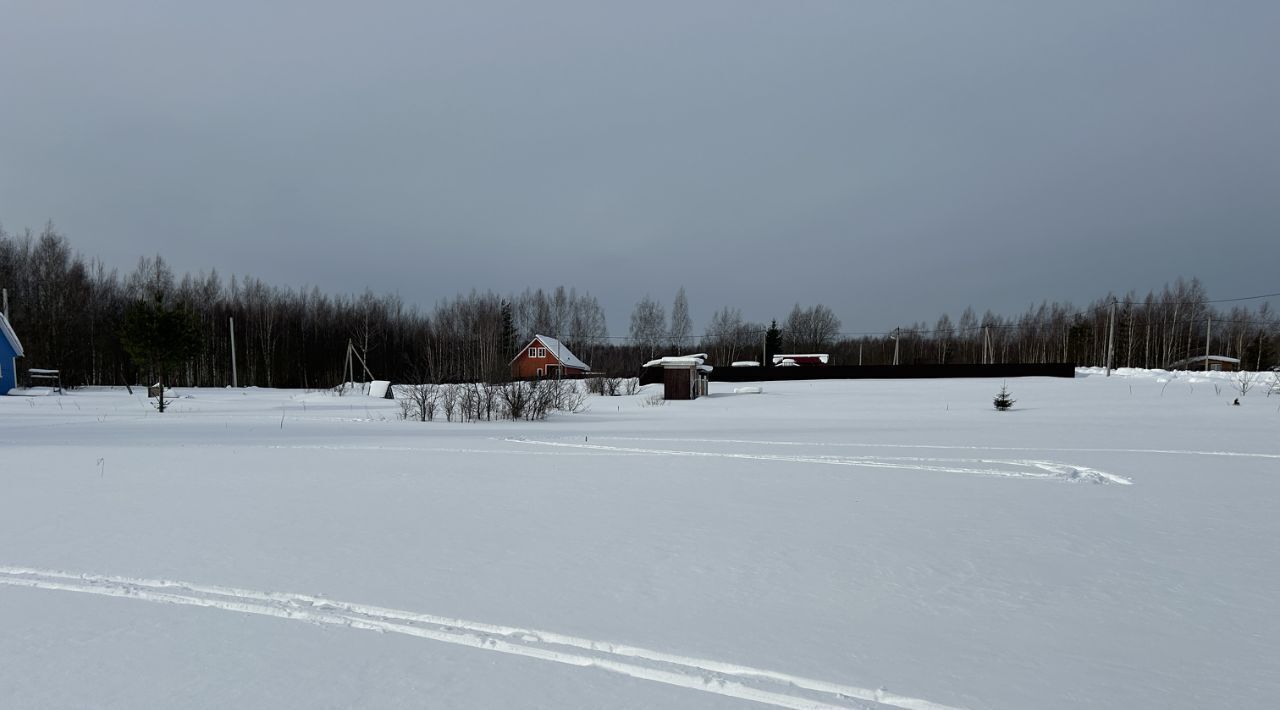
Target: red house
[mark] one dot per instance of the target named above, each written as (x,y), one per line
(547,357)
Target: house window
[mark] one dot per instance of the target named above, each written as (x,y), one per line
(537,353)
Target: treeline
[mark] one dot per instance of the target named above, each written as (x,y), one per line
(69,312)
(1151,331)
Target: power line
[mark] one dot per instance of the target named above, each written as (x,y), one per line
(1244,298)
(1008,326)
(934,331)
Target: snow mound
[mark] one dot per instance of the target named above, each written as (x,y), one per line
(31,391)
(1083,474)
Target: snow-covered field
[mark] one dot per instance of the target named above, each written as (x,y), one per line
(1109,543)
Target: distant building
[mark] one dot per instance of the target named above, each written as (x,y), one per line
(806,359)
(10,351)
(683,377)
(1216,363)
(545,356)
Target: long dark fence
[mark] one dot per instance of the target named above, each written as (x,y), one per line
(873,372)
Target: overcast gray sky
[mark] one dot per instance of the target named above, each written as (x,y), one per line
(891,159)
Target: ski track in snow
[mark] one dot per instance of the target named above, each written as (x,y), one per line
(1246,454)
(1007,468)
(717,677)
(422,449)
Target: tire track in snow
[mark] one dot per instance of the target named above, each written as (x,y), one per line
(1015,468)
(1186,452)
(710,676)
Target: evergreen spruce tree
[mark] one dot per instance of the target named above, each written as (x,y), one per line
(772,343)
(1003,401)
(158,338)
(508,330)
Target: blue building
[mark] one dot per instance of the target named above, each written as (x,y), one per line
(10,351)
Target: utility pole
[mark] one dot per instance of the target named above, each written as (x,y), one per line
(349,368)
(234,383)
(1111,335)
(859,353)
(6,302)
(348,371)
(895,345)
(1208,326)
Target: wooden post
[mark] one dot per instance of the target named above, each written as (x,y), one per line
(234,382)
(1111,335)
(1208,325)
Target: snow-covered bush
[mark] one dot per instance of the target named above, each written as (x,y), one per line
(479,401)
(566,396)
(419,401)
(604,386)
(449,400)
(1243,382)
(654,400)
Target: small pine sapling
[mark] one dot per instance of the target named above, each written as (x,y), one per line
(1003,401)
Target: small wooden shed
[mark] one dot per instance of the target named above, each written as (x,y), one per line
(1213,363)
(683,377)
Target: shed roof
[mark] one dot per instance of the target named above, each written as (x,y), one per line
(690,361)
(7,330)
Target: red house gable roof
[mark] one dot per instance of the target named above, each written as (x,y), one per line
(556,350)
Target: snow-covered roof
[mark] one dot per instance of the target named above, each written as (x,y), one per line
(698,361)
(7,330)
(745,363)
(796,357)
(674,361)
(1202,358)
(562,353)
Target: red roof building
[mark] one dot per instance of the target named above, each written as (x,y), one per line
(545,356)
